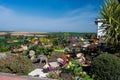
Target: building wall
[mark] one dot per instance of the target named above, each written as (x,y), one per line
(100,32)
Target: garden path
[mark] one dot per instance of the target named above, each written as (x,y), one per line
(7,76)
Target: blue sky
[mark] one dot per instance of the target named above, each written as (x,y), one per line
(49,15)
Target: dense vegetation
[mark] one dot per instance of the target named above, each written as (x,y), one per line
(75,68)
(106,67)
(110,12)
(16,64)
(40,50)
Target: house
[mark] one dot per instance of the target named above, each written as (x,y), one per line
(99,23)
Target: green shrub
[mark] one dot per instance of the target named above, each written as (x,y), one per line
(54,75)
(38,50)
(106,67)
(16,64)
(4,48)
(77,71)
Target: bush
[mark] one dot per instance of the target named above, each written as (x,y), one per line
(4,48)
(75,68)
(54,75)
(38,50)
(106,67)
(16,64)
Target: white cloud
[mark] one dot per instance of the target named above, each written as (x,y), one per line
(81,10)
(78,20)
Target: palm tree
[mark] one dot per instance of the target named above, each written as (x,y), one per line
(111,13)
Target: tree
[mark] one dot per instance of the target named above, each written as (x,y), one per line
(110,12)
(66,35)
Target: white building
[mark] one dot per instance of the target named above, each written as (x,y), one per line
(100,32)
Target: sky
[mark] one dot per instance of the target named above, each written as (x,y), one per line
(49,15)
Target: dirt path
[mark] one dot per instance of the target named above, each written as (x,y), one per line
(10,78)
(7,76)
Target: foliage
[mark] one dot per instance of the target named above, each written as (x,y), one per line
(45,40)
(4,48)
(54,75)
(66,35)
(3,45)
(75,68)
(106,67)
(110,12)
(38,50)
(16,64)
(59,50)
(6,43)
(56,42)
(74,34)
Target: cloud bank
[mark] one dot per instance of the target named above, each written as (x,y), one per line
(78,20)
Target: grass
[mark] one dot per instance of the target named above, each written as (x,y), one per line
(59,50)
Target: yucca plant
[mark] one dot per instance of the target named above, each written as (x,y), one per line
(110,12)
